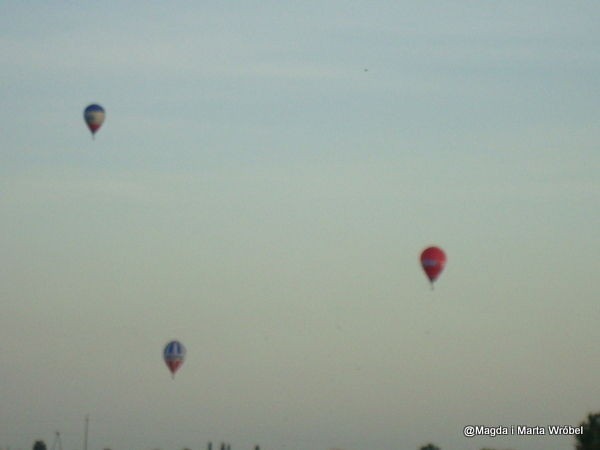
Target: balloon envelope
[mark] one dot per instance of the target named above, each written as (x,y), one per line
(433,260)
(174,355)
(94,117)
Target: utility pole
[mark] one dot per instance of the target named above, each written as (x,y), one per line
(57,441)
(85,432)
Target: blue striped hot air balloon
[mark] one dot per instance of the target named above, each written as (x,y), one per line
(174,355)
(94,117)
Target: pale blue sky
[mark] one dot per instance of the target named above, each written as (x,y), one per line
(259,195)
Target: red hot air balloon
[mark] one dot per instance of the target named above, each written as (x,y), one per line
(433,260)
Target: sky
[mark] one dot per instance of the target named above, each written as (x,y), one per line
(265,180)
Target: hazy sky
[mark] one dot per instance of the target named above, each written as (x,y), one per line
(265,180)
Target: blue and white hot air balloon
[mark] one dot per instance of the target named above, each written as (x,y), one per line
(174,355)
(94,117)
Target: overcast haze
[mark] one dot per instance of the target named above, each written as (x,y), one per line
(261,189)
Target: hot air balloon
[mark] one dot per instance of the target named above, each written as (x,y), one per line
(94,117)
(174,354)
(433,260)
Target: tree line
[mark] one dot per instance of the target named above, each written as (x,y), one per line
(589,439)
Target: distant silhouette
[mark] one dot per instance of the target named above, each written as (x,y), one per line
(429,447)
(590,439)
